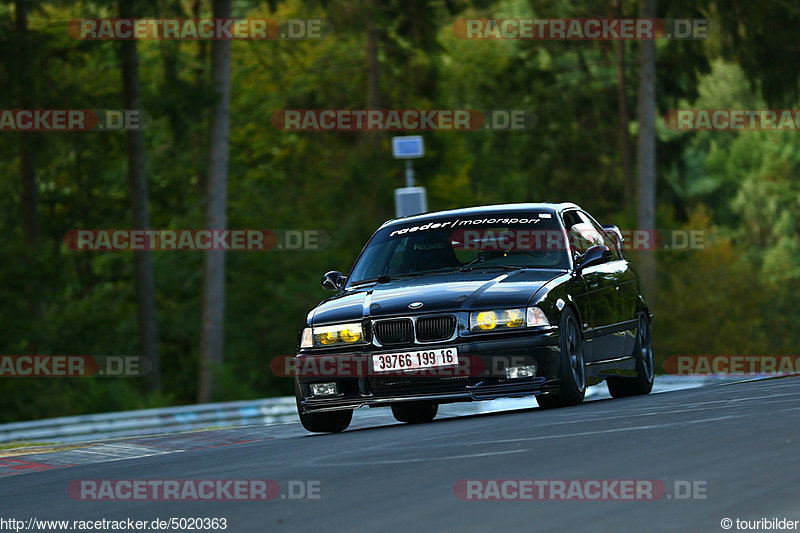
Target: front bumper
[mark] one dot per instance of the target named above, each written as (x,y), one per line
(485,381)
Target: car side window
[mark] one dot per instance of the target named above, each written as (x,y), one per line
(570,218)
(606,238)
(580,234)
(583,233)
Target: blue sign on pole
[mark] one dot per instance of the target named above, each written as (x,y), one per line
(408,147)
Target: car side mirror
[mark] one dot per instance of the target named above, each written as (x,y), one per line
(333,281)
(615,235)
(593,256)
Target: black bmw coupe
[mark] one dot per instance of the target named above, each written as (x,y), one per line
(476,304)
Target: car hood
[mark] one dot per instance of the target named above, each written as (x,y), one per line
(448,292)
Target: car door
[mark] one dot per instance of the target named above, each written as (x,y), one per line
(600,298)
(621,307)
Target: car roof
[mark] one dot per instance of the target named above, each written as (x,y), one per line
(484,209)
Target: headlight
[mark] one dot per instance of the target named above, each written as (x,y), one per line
(328,337)
(332,335)
(350,335)
(513,318)
(505,319)
(486,320)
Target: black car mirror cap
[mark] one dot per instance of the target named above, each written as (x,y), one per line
(333,281)
(595,255)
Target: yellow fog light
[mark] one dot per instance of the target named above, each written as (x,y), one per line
(487,320)
(350,335)
(513,318)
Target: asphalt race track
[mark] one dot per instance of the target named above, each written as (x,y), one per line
(736,442)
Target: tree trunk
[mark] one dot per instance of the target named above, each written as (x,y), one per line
(198,142)
(30,190)
(373,71)
(27,162)
(373,63)
(646,213)
(213,335)
(622,112)
(137,177)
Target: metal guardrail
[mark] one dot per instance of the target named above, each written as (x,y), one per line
(152,421)
(282,410)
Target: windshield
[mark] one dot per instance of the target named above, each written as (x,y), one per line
(494,241)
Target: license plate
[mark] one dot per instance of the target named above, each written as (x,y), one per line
(389,362)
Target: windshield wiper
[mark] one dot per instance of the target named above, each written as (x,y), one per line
(386,278)
(467,267)
(501,267)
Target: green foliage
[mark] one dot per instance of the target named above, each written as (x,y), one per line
(735,296)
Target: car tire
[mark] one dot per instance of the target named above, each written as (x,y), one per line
(415,412)
(572,370)
(331,422)
(326,422)
(643,352)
